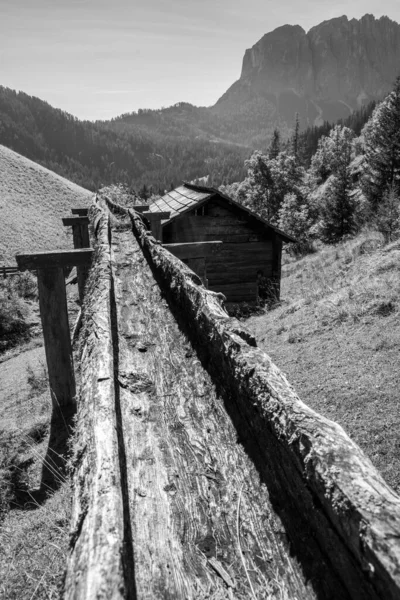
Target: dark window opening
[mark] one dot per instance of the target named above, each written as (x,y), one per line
(202,211)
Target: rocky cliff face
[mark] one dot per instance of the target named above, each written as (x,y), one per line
(323,74)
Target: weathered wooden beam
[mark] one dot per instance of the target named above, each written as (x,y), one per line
(57,340)
(80,211)
(155,219)
(80,234)
(141,208)
(194,249)
(75,220)
(100,564)
(56,258)
(342,519)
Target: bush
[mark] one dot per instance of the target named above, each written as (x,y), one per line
(25,285)
(13,316)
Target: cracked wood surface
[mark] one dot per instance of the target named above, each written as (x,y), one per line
(185,467)
(210,466)
(96,565)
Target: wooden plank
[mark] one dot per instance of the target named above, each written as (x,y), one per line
(80,234)
(57,339)
(277,265)
(140,208)
(80,211)
(156,229)
(77,220)
(194,249)
(100,546)
(56,258)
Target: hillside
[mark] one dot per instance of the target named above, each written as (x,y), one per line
(157,150)
(32,202)
(336,336)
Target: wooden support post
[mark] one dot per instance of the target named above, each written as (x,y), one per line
(57,340)
(276,267)
(54,316)
(155,219)
(80,234)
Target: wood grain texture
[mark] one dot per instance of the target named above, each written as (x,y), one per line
(247,246)
(57,339)
(342,519)
(187,473)
(99,545)
(194,249)
(56,258)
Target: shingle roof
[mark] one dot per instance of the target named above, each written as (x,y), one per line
(187,196)
(180,200)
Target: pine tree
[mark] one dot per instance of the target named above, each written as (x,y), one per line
(338,209)
(295,139)
(275,146)
(294,219)
(387,218)
(382,149)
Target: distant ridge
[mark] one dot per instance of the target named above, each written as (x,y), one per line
(324,74)
(32,202)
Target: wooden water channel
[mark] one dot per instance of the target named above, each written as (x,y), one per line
(199,474)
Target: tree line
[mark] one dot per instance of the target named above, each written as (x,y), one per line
(102,153)
(351,179)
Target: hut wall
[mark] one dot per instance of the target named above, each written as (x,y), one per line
(247,247)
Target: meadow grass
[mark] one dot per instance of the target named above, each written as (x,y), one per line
(32,202)
(336,335)
(34,518)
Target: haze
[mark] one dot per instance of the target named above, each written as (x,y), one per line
(97,59)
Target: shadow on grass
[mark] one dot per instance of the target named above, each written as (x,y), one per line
(54,467)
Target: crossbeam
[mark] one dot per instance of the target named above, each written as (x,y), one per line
(155,218)
(80,211)
(75,220)
(54,317)
(141,208)
(188,250)
(57,258)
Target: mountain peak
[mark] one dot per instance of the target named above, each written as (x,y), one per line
(323,74)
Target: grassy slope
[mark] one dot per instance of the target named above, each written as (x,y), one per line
(33,535)
(336,335)
(32,202)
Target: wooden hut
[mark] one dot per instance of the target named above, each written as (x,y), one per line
(251,249)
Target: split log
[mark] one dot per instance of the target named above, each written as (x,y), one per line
(202,524)
(341,517)
(100,542)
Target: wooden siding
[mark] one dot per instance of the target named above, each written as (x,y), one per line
(247,247)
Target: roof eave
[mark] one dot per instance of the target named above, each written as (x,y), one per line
(213,191)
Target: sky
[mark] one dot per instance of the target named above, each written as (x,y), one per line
(98,59)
